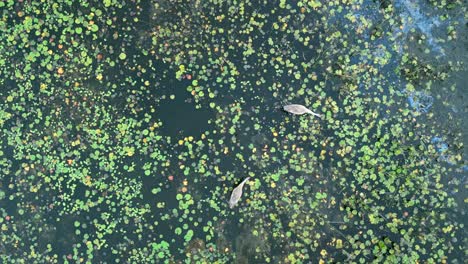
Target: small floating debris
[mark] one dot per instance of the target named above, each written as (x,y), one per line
(237,193)
(298,109)
(439,144)
(442,149)
(420,101)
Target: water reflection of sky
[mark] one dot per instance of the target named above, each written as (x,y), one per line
(413,16)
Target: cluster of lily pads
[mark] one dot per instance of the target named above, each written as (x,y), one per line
(96,168)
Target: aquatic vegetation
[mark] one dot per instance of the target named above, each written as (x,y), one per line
(125,124)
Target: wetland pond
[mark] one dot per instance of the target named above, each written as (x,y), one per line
(126,125)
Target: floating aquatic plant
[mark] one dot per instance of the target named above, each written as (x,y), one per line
(125,124)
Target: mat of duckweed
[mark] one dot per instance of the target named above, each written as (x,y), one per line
(126,125)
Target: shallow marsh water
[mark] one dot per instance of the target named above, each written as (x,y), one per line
(126,126)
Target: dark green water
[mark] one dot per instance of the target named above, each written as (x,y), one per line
(125,126)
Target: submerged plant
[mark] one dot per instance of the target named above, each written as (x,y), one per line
(124,125)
